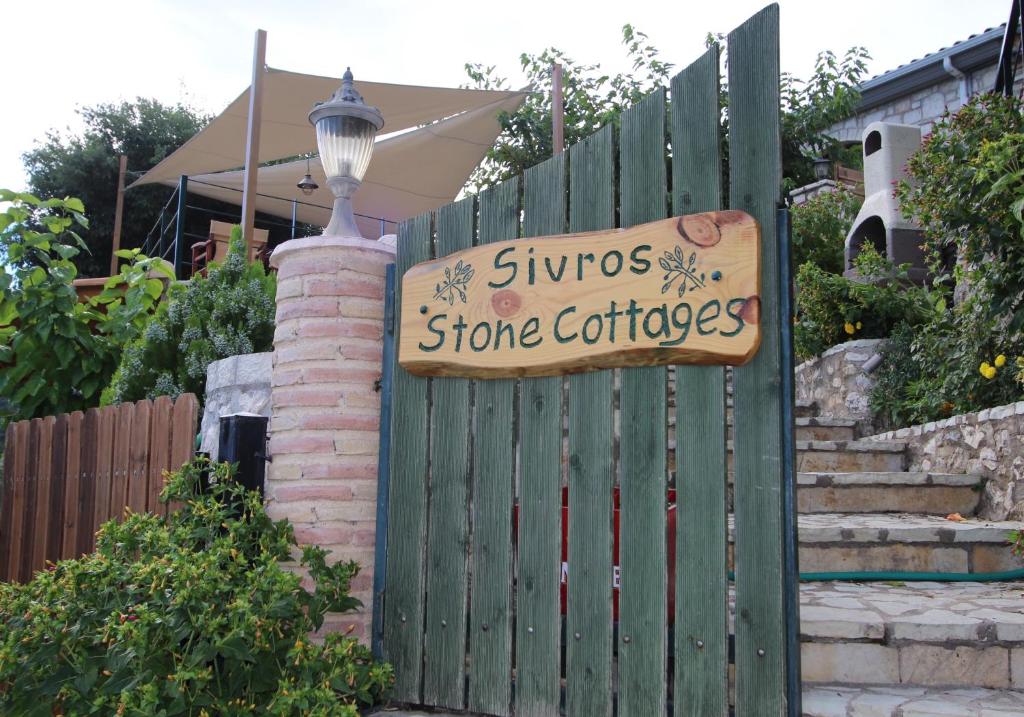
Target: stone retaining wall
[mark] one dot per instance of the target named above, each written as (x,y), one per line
(988,443)
(836,382)
(237,384)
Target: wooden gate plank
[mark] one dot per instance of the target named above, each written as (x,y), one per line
(124,417)
(701,578)
(490,626)
(6,502)
(43,482)
(591,478)
(58,485)
(539,541)
(73,471)
(755,176)
(104,465)
(643,605)
(138,458)
(159,453)
(407,525)
(448,532)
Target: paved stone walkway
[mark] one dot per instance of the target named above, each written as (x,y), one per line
(913,611)
(841,701)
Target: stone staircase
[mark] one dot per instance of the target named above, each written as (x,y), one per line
(897,647)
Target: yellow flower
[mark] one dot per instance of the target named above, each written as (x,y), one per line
(1000,361)
(849,328)
(984,368)
(858,326)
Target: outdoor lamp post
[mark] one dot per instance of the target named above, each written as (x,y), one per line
(822,167)
(345,129)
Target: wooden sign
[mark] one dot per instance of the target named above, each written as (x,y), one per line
(676,291)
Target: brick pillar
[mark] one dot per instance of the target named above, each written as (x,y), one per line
(326,409)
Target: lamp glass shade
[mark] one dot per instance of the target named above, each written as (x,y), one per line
(346,145)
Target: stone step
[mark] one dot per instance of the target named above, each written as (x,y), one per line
(930,493)
(841,542)
(916,635)
(893,701)
(842,456)
(809,428)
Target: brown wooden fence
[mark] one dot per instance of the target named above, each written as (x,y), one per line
(66,475)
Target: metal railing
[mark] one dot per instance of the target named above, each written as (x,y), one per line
(169,239)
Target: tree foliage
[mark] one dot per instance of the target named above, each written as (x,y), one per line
(190,615)
(229,312)
(56,352)
(965,188)
(820,226)
(593,98)
(85,165)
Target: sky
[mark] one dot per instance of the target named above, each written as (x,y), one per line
(59,55)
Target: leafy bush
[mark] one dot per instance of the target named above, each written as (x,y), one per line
(820,226)
(229,312)
(832,309)
(189,615)
(56,352)
(966,189)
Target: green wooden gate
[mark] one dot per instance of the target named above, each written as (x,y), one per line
(470,611)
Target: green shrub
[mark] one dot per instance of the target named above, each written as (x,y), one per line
(832,309)
(56,352)
(820,226)
(229,312)
(189,615)
(966,189)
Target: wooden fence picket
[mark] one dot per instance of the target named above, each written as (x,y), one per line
(42,480)
(124,417)
(159,453)
(138,481)
(63,476)
(72,488)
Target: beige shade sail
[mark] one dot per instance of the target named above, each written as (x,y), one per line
(409,174)
(285,130)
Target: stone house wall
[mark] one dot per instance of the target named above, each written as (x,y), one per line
(921,108)
(988,443)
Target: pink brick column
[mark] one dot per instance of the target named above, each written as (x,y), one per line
(326,412)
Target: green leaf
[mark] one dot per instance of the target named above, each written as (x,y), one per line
(154,287)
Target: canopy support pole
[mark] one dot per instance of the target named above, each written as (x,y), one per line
(118,214)
(557,110)
(252,138)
